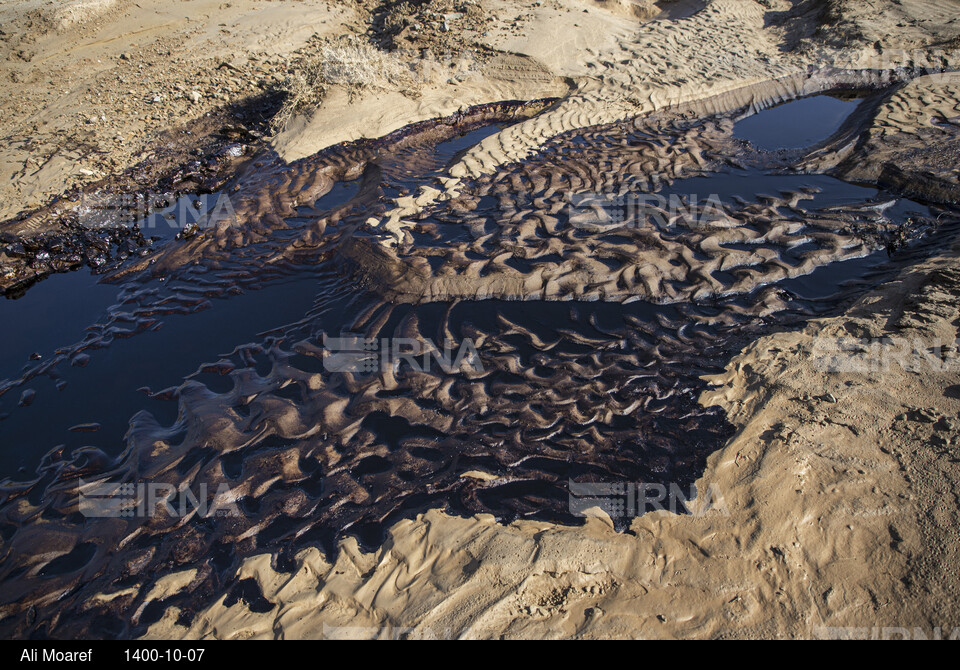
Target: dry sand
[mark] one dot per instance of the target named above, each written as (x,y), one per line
(87,86)
(840,493)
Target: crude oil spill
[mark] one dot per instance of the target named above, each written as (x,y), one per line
(752,185)
(586,340)
(340,194)
(172,218)
(53,313)
(798,124)
(101,385)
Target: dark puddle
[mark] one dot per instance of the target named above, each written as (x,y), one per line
(54,313)
(797,124)
(752,185)
(341,193)
(178,215)
(100,395)
(100,386)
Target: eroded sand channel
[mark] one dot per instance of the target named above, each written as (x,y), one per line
(594,310)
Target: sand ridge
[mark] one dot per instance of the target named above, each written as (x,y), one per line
(911,145)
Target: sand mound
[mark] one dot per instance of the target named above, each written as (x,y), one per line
(75,12)
(913,144)
(640,9)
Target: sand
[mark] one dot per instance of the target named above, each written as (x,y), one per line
(88,86)
(837,501)
(911,145)
(827,503)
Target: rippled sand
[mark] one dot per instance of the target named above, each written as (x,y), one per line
(437,503)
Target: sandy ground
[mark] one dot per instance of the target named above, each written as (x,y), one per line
(834,514)
(87,86)
(839,493)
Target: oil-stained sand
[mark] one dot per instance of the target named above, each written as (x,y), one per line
(815,510)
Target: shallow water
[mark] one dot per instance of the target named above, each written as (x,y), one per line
(107,387)
(231,346)
(753,184)
(54,313)
(797,124)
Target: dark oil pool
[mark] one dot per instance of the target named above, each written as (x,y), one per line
(105,391)
(102,395)
(797,124)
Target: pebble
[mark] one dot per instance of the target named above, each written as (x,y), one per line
(946,425)
(26,399)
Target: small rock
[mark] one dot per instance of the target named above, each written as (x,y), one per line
(195,97)
(830,398)
(923,415)
(945,425)
(189,232)
(27,398)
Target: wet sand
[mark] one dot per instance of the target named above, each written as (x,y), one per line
(832,479)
